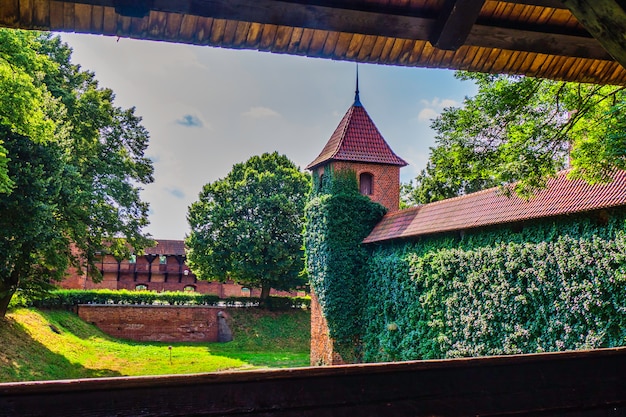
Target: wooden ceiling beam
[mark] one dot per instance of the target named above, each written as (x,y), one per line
(554,4)
(535,41)
(378,21)
(291,13)
(455,23)
(606,21)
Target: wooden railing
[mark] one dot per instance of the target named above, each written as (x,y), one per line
(584,383)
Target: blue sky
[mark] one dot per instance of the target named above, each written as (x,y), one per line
(209,108)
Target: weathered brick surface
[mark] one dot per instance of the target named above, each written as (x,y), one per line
(386,181)
(154,323)
(322,350)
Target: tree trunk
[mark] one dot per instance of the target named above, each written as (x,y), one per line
(265,296)
(8,286)
(5,299)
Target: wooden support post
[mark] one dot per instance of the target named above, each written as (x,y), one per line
(606,21)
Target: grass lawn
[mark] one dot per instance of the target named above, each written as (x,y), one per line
(42,345)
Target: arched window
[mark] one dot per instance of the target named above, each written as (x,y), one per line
(366,182)
(321,183)
(189,288)
(141,287)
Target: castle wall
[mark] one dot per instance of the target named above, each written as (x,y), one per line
(155,323)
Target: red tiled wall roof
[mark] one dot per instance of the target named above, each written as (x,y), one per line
(167,247)
(490,207)
(357,139)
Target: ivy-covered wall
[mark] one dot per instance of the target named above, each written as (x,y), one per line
(553,285)
(338,219)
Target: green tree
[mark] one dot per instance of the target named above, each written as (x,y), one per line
(248,225)
(26,103)
(73,182)
(523,130)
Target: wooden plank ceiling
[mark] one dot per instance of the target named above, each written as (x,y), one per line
(533,37)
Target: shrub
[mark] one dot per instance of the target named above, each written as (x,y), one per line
(69,298)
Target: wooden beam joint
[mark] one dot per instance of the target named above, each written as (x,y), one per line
(606,21)
(136,8)
(454,24)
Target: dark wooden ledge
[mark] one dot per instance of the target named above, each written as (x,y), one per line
(583,383)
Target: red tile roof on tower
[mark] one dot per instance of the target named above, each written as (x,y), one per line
(357,139)
(491,207)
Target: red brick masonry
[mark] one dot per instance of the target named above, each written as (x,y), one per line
(322,346)
(154,323)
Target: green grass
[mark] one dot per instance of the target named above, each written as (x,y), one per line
(44,345)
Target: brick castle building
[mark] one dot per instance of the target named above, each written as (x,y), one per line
(162,268)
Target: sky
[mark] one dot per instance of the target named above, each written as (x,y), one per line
(208,108)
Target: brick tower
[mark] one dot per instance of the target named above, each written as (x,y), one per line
(357,145)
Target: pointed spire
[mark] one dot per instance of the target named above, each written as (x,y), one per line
(357,101)
(357,139)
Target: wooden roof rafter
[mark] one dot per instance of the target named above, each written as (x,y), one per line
(365,18)
(532,37)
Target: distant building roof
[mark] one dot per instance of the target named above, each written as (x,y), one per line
(167,247)
(491,207)
(357,139)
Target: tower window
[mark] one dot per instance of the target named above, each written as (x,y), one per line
(365,183)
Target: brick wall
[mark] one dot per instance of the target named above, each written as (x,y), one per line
(322,350)
(386,181)
(154,323)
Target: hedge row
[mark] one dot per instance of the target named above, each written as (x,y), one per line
(553,286)
(70,298)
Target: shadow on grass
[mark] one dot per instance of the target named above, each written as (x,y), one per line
(24,359)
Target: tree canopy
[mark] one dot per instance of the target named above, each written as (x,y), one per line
(521,130)
(71,164)
(248,225)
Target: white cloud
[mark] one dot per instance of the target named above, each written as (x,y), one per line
(426,114)
(438,103)
(434,107)
(260,113)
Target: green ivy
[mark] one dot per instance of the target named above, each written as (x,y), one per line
(551,286)
(338,218)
